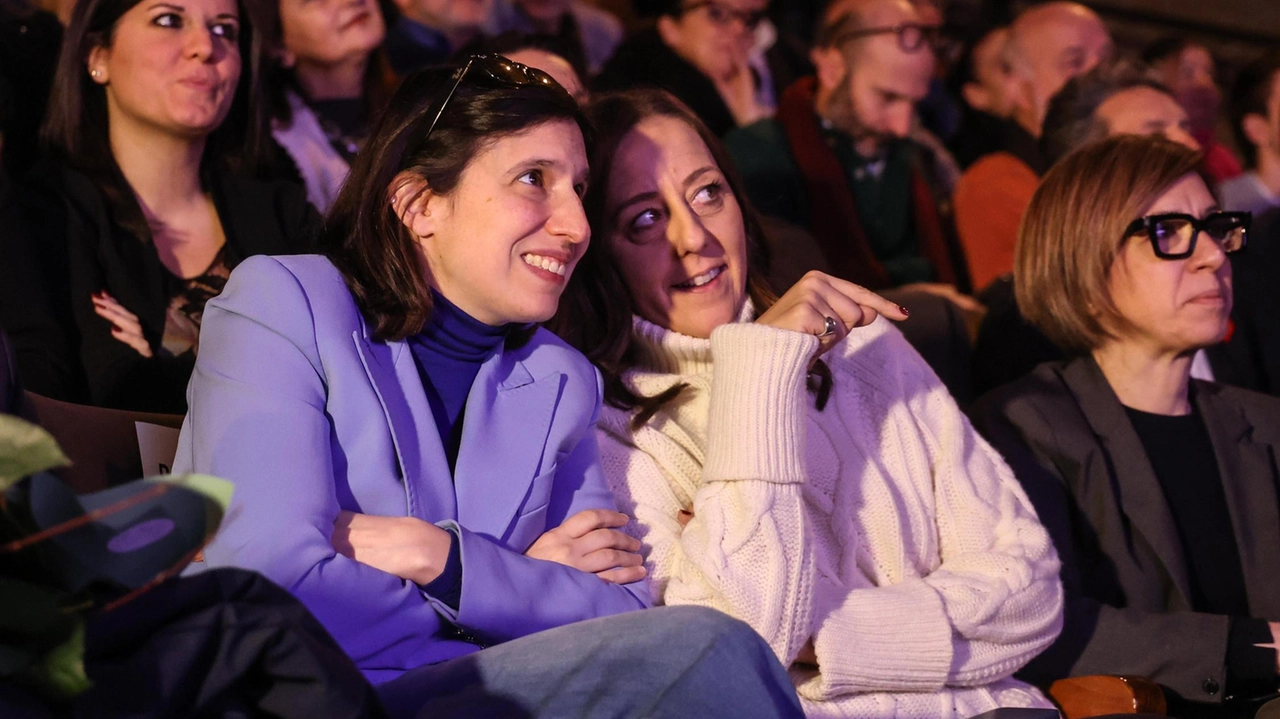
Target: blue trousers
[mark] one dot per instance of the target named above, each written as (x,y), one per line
(663,662)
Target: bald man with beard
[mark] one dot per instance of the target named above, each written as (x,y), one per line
(841,156)
(1047,45)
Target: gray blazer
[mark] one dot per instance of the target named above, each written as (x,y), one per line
(1066,435)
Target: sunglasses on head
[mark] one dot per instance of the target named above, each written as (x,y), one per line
(491,71)
(1173,234)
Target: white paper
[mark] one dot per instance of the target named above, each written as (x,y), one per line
(156,445)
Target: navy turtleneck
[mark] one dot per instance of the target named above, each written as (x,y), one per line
(448,352)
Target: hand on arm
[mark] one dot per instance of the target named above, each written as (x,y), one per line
(589,541)
(124,324)
(805,307)
(406,547)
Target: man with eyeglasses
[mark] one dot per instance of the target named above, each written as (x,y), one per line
(1048,45)
(842,159)
(722,58)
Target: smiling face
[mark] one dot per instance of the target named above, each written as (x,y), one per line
(504,242)
(171,66)
(674,229)
(1173,306)
(329,32)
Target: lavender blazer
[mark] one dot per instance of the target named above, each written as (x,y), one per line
(307,415)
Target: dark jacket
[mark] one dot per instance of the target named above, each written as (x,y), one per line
(1255,345)
(644,60)
(1128,610)
(1008,347)
(791,171)
(69,247)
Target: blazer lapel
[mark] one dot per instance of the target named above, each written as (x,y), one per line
(504,435)
(1248,482)
(423,466)
(1141,498)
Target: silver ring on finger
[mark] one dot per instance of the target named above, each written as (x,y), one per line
(830,327)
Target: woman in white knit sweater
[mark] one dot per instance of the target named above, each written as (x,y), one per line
(841,506)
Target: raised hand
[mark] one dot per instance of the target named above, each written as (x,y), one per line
(807,305)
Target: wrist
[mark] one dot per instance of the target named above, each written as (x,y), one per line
(433,553)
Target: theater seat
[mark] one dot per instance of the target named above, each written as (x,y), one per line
(102,444)
(1101,694)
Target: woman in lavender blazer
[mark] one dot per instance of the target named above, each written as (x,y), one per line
(412,457)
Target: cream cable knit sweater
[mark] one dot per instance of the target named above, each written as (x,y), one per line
(883,527)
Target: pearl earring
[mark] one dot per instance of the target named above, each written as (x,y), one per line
(94,74)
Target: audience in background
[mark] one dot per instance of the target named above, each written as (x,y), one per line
(325,79)
(543,52)
(1159,489)
(700,51)
(1188,69)
(840,158)
(154,125)
(987,85)
(1255,120)
(792,461)
(587,35)
(429,32)
(1048,45)
(412,415)
(1117,98)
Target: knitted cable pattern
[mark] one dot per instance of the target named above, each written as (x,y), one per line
(883,528)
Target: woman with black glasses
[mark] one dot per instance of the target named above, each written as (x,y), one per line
(1160,491)
(413,457)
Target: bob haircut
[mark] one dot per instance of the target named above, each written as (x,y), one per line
(1073,229)
(364,237)
(596,308)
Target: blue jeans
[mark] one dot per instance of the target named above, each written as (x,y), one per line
(663,662)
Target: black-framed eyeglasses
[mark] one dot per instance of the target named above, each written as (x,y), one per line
(722,15)
(911,35)
(489,70)
(1173,234)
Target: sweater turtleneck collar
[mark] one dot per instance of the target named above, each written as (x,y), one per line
(453,333)
(669,352)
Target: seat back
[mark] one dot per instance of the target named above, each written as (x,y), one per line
(101,443)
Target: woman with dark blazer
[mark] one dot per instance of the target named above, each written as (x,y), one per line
(146,204)
(1160,491)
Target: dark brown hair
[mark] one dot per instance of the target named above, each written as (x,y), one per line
(75,129)
(365,238)
(1251,95)
(1071,120)
(379,79)
(596,309)
(1072,230)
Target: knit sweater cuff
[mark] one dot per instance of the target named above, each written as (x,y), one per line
(891,638)
(755,428)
